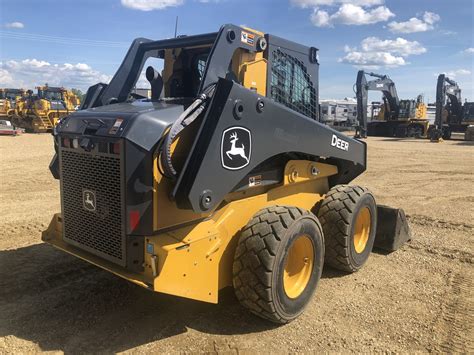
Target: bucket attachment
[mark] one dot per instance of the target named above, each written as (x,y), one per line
(392,228)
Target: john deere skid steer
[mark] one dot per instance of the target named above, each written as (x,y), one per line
(225,177)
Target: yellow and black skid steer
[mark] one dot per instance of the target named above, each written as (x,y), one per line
(225,177)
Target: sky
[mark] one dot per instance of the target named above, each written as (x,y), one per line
(77,43)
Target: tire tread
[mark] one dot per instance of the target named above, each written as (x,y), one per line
(255,258)
(335,214)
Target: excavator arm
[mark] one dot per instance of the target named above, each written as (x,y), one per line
(447,90)
(382,83)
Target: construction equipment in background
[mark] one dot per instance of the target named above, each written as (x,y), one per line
(40,112)
(225,177)
(8,100)
(451,114)
(396,118)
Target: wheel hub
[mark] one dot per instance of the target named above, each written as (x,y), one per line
(362,230)
(298,266)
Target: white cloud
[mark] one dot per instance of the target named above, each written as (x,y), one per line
(29,73)
(448,32)
(431,17)
(372,60)
(17,25)
(457,73)
(415,24)
(315,3)
(5,78)
(469,50)
(149,5)
(349,14)
(399,46)
(375,53)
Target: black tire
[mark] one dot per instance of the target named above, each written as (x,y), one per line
(260,260)
(338,215)
(446,134)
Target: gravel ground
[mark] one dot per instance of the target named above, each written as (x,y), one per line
(420,298)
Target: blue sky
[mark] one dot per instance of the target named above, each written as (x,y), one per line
(77,43)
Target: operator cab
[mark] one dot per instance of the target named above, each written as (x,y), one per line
(468,114)
(50,93)
(182,70)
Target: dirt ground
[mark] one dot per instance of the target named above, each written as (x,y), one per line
(420,298)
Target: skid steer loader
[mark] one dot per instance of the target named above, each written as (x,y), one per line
(225,177)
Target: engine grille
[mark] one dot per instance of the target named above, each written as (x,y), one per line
(100,231)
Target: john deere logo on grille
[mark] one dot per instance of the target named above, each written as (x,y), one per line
(236,148)
(89,200)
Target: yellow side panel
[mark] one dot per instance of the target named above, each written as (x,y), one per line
(196,261)
(251,70)
(255,76)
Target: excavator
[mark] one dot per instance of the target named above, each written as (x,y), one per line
(396,118)
(40,112)
(8,100)
(451,114)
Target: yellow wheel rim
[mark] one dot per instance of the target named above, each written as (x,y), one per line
(362,230)
(298,266)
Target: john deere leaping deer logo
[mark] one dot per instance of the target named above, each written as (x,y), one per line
(89,200)
(236,148)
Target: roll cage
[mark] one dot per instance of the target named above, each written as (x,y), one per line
(223,61)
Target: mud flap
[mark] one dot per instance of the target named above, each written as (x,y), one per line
(392,228)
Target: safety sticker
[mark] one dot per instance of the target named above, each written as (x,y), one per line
(248,38)
(116,126)
(255,180)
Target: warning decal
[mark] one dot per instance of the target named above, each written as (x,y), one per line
(248,38)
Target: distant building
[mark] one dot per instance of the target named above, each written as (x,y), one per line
(339,112)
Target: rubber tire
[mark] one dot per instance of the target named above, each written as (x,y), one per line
(337,214)
(446,134)
(260,258)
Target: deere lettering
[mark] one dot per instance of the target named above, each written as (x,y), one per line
(339,143)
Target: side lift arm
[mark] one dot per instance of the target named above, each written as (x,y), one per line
(382,83)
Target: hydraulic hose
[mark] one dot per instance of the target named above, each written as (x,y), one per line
(184,120)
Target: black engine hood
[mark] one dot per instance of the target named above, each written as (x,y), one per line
(141,122)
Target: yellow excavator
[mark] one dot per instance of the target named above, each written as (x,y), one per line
(40,112)
(396,118)
(8,100)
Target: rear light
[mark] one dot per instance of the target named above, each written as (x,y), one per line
(66,143)
(115,148)
(134,218)
(75,143)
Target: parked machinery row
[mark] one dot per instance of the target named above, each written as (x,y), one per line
(37,112)
(408,118)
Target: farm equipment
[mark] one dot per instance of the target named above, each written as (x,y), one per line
(40,112)
(396,118)
(451,114)
(8,100)
(225,177)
